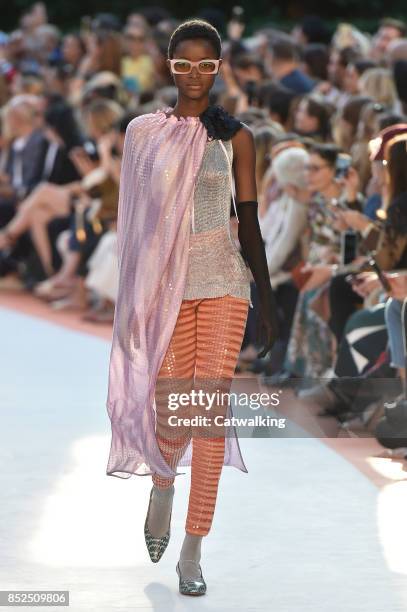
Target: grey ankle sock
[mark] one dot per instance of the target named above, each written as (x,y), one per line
(160,511)
(190,556)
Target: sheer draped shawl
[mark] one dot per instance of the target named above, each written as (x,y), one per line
(161,159)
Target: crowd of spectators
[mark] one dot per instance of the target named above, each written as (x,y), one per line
(328,113)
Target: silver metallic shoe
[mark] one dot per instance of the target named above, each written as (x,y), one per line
(189,586)
(156,546)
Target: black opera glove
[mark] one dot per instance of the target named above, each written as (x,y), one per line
(252,244)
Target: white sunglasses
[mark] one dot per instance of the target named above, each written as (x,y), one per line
(184,66)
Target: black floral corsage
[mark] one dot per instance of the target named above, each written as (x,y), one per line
(219,123)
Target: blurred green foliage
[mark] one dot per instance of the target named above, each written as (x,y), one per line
(67,13)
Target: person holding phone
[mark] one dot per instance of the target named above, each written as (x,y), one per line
(388,242)
(310,348)
(388,236)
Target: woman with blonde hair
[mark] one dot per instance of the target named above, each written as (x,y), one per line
(99,116)
(378,83)
(373,118)
(103,54)
(49,201)
(265,138)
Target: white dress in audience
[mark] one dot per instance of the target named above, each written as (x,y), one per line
(103,275)
(282,227)
(285,219)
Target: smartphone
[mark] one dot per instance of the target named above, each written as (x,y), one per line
(91,150)
(343,163)
(383,280)
(349,246)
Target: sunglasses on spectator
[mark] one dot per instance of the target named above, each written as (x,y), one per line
(184,66)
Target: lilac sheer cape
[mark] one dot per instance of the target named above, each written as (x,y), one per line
(161,159)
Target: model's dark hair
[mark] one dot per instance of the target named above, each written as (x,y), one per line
(195,28)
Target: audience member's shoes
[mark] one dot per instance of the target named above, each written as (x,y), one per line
(8,263)
(68,303)
(77,299)
(339,411)
(12,282)
(52,289)
(7,239)
(43,287)
(58,294)
(280,379)
(101,315)
(319,394)
(365,420)
(156,546)
(188,586)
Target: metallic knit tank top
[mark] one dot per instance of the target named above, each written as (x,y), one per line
(215,265)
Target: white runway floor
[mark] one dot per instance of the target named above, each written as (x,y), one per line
(302,531)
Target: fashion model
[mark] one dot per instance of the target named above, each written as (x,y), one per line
(184,294)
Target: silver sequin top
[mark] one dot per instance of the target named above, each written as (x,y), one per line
(215,266)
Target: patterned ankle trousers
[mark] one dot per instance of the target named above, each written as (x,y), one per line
(202,354)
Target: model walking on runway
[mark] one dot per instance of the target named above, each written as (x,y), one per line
(184,293)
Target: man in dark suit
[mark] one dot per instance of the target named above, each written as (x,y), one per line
(30,158)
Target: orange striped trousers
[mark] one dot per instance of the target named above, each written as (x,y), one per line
(204,347)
